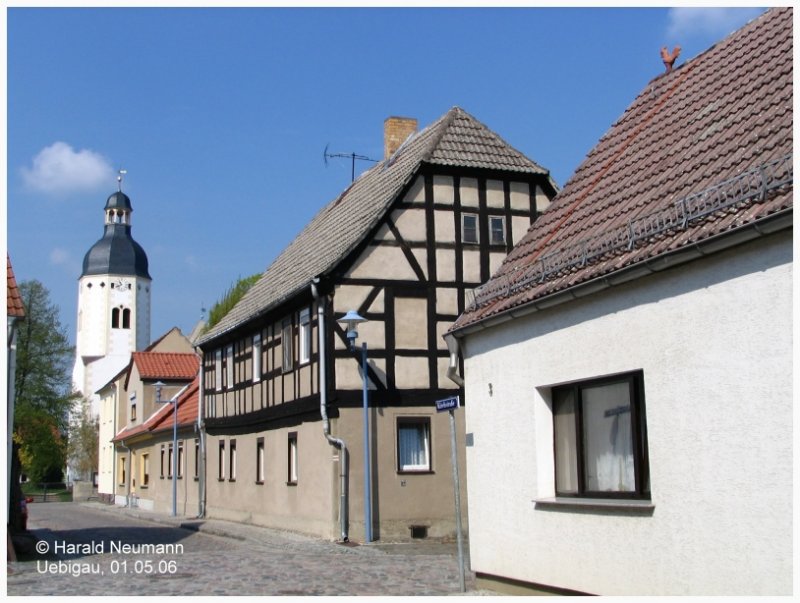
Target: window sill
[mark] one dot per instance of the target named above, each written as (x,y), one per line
(645,507)
(291,483)
(259,483)
(232,479)
(415,472)
(220,479)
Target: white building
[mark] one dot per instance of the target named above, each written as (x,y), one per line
(629,367)
(113,304)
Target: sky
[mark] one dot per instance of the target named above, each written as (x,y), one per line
(221,118)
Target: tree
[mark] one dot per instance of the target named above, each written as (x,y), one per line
(234,293)
(43,386)
(83,447)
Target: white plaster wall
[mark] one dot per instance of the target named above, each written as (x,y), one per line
(713,339)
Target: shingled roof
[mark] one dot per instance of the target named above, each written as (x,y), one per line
(703,152)
(170,366)
(14,306)
(455,140)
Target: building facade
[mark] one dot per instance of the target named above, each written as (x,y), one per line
(633,355)
(282,391)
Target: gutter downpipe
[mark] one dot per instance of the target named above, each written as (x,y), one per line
(201,470)
(452,370)
(323,401)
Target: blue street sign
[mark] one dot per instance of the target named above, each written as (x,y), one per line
(447,404)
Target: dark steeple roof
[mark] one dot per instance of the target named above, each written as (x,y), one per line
(117,252)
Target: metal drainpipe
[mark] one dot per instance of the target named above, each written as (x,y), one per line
(201,469)
(323,401)
(452,369)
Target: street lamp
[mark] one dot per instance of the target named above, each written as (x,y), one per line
(173,400)
(351,320)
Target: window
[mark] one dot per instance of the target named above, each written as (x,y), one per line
(469,228)
(232,460)
(305,336)
(181,460)
(133,407)
(229,367)
(497,230)
(126,318)
(221,475)
(413,444)
(256,357)
(163,455)
(121,471)
(145,479)
(115,318)
(218,370)
(170,461)
(286,342)
(260,461)
(600,438)
(197,458)
(292,473)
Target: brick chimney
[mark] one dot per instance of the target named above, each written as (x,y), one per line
(395,132)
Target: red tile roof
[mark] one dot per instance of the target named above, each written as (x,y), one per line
(686,162)
(14,303)
(166,365)
(162,419)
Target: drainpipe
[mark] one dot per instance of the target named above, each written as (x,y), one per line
(323,411)
(452,369)
(201,469)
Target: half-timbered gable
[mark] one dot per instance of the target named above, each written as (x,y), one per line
(403,246)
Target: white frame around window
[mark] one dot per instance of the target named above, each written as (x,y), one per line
(169,460)
(145,478)
(495,220)
(260,461)
(218,370)
(304,350)
(413,444)
(287,351)
(229,367)
(221,459)
(181,459)
(475,229)
(292,472)
(256,357)
(232,461)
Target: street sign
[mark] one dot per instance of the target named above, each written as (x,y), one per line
(447,404)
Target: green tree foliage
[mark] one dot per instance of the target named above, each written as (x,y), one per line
(43,386)
(229,299)
(83,446)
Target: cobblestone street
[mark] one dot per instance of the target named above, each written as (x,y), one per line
(93,549)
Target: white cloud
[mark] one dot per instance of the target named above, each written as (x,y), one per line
(62,257)
(713,22)
(59,169)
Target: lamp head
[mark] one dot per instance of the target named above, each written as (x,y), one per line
(351,320)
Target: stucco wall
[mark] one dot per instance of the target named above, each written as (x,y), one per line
(714,341)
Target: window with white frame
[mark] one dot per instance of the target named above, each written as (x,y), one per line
(292,460)
(469,228)
(304,350)
(197,458)
(600,434)
(163,459)
(221,463)
(256,357)
(413,444)
(497,230)
(170,460)
(286,344)
(218,370)
(145,478)
(181,459)
(232,461)
(260,461)
(229,367)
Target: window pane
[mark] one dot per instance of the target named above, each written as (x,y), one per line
(498,233)
(565,442)
(412,441)
(607,437)
(470,228)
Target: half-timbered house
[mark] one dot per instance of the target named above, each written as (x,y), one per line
(281,389)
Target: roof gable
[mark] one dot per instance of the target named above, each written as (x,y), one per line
(163,418)
(455,140)
(166,365)
(703,150)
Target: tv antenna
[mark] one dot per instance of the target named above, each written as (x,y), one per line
(352,156)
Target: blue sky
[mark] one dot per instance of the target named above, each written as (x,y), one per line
(221,117)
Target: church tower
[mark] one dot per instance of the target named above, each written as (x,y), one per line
(113,302)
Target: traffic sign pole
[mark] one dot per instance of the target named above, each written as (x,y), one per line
(450,405)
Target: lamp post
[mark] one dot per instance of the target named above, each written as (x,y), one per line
(351,320)
(174,401)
